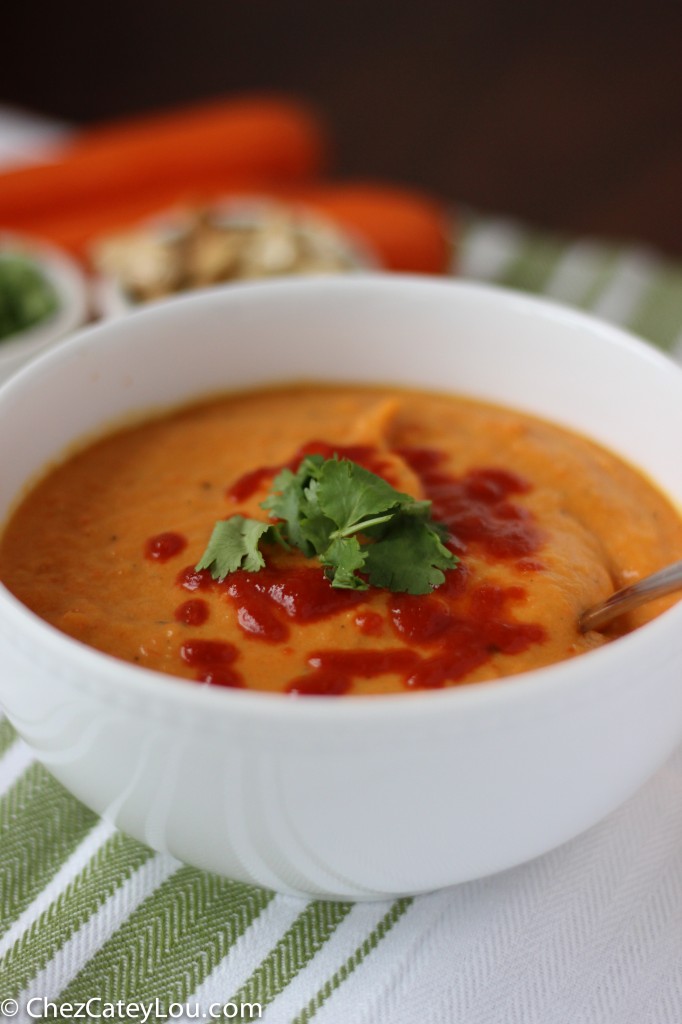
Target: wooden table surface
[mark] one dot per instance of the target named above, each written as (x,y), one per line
(566,115)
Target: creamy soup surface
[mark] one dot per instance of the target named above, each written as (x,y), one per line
(545,523)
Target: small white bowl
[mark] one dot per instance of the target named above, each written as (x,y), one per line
(70,287)
(353,797)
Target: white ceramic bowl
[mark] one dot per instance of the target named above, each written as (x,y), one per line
(350,797)
(71,289)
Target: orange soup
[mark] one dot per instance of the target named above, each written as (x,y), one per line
(543,524)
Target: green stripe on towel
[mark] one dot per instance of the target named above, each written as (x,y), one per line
(601,279)
(172,942)
(659,317)
(114,863)
(361,953)
(532,266)
(299,944)
(7,736)
(40,826)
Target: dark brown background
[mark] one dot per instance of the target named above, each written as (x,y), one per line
(567,114)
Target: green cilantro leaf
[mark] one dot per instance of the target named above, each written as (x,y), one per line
(342,559)
(410,558)
(363,531)
(352,496)
(317,530)
(234,545)
(292,499)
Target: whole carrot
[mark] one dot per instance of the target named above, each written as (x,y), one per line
(76,229)
(262,139)
(404,230)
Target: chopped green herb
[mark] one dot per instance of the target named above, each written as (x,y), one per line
(348,517)
(234,545)
(26,296)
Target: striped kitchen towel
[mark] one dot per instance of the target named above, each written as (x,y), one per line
(94,925)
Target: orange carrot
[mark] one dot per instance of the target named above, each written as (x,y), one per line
(76,230)
(407,230)
(258,138)
(404,230)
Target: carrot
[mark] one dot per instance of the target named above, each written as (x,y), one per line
(407,230)
(404,230)
(258,138)
(76,230)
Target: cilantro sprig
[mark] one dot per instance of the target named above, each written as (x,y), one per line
(363,531)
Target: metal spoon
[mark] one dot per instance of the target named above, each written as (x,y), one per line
(666,581)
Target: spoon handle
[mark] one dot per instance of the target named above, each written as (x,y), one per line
(666,581)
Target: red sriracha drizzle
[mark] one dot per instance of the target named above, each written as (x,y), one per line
(213,660)
(303,594)
(365,455)
(164,546)
(450,632)
(193,613)
(250,483)
(191,579)
(460,627)
(370,623)
(476,507)
(469,632)
(266,601)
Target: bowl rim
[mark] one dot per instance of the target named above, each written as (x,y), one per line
(112,676)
